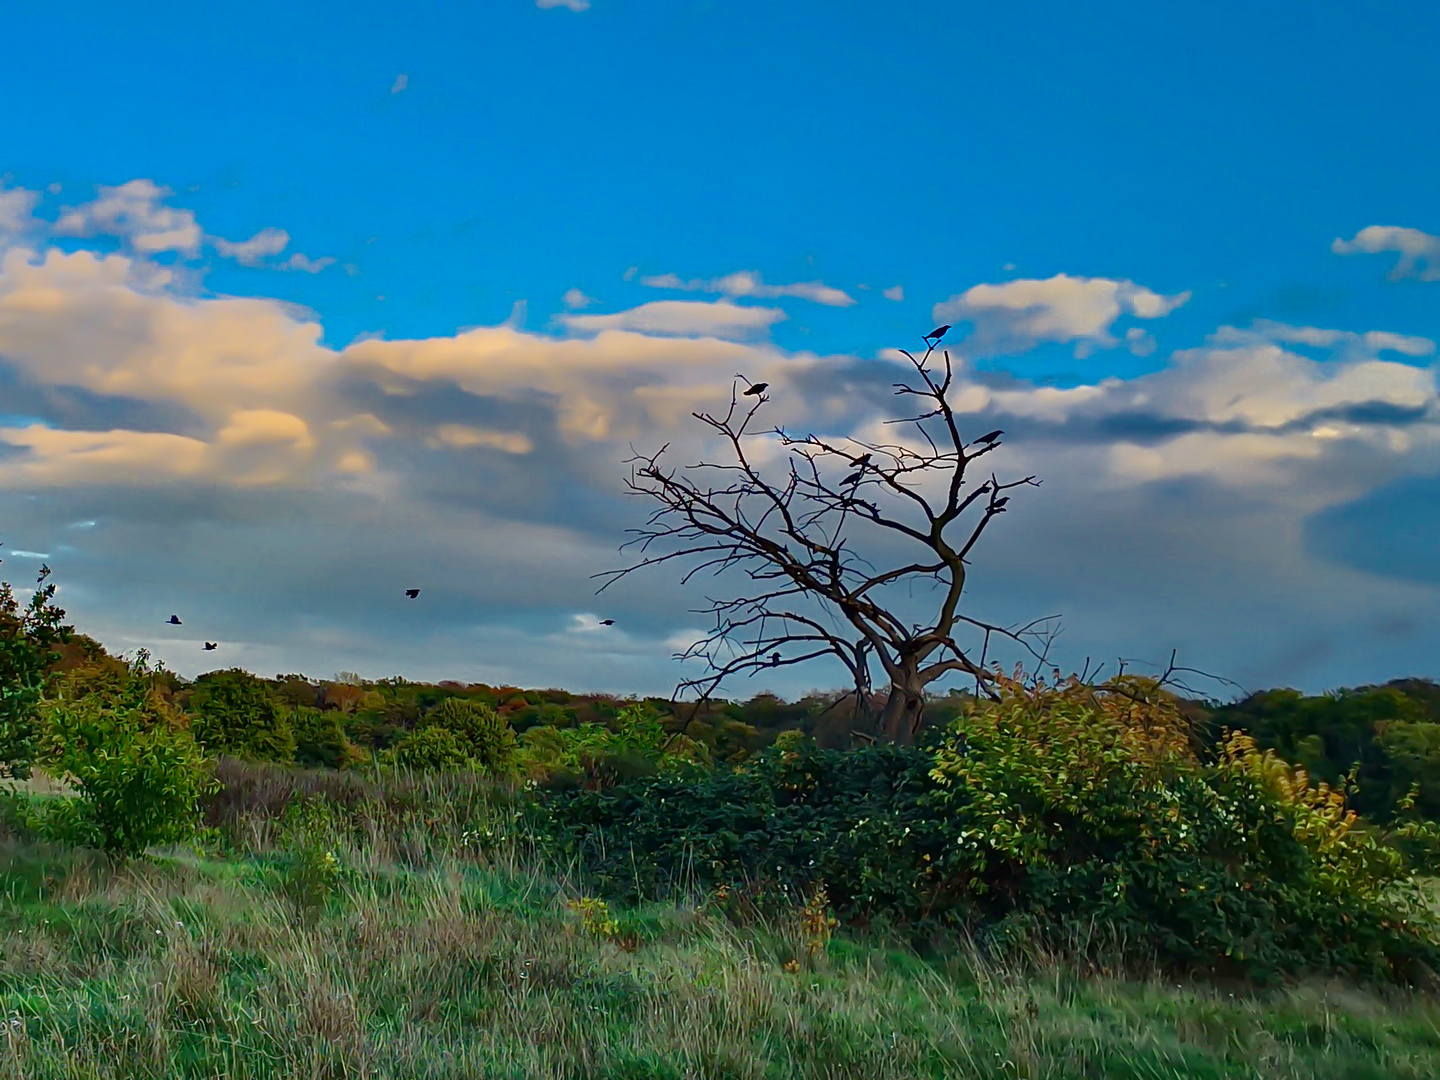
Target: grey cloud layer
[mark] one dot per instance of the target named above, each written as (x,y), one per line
(286,492)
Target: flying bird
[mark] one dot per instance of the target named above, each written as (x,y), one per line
(757,388)
(174,620)
(853,478)
(990,436)
(937,333)
(412,593)
(211,646)
(607,622)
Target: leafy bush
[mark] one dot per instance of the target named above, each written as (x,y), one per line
(431,749)
(484,737)
(319,739)
(28,637)
(1067,811)
(139,782)
(633,745)
(238,715)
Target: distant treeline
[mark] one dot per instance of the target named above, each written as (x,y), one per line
(1383,739)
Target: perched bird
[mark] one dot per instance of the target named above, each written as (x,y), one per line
(862,460)
(937,333)
(607,622)
(758,388)
(853,478)
(211,646)
(999,504)
(775,658)
(174,620)
(990,436)
(412,593)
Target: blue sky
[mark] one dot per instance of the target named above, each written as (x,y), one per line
(1199,175)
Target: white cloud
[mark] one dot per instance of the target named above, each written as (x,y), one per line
(748,283)
(252,252)
(463,437)
(895,292)
(575,298)
(16,205)
(573,5)
(1413,246)
(401,82)
(690,318)
(1017,315)
(306,264)
(133,211)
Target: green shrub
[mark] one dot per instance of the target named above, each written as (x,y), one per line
(319,738)
(430,749)
(139,782)
(238,715)
(633,745)
(28,636)
(1070,811)
(486,739)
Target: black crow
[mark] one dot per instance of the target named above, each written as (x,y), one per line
(853,478)
(938,332)
(412,593)
(607,622)
(174,620)
(758,388)
(211,646)
(990,436)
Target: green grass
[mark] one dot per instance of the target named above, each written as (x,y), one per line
(203,966)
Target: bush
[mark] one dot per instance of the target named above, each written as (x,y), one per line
(28,637)
(238,715)
(483,738)
(633,745)
(319,739)
(1072,811)
(431,749)
(140,783)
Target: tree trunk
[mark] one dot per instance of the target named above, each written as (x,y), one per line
(903,714)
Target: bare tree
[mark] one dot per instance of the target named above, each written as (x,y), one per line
(798,536)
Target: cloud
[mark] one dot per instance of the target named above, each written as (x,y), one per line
(574,298)
(401,82)
(252,252)
(895,292)
(16,205)
(306,264)
(461,437)
(1018,315)
(690,318)
(133,212)
(747,283)
(573,5)
(201,431)
(1419,251)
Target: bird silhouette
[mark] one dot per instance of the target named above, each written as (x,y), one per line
(862,460)
(174,620)
(937,333)
(775,658)
(758,388)
(211,646)
(44,569)
(607,622)
(990,436)
(412,593)
(853,478)
(999,504)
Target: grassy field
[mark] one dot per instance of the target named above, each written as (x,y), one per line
(285,947)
